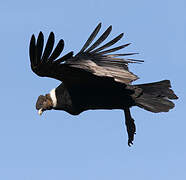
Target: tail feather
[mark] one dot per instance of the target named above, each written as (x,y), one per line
(155,97)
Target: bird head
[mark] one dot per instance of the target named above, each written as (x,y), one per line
(44,103)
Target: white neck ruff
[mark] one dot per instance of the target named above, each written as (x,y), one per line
(53,97)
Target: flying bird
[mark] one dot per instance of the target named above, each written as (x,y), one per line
(95,78)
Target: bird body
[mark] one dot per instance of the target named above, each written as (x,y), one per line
(94,79)
(77,100)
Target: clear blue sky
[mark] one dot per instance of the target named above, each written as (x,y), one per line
(93,145)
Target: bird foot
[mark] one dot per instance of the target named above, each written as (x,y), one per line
(131,130)
(130,125)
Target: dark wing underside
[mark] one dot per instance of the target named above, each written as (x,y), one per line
(92,63)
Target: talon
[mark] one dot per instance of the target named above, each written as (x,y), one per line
(130,143)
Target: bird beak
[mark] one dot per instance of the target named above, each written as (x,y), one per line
(40,111)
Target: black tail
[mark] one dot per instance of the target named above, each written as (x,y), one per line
(155,97)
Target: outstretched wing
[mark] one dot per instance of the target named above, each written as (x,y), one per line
(91,62)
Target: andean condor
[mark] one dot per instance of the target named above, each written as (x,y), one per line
(95,79)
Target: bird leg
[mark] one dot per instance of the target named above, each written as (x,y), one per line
(130,125)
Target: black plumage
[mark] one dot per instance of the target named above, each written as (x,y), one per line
(95,79)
